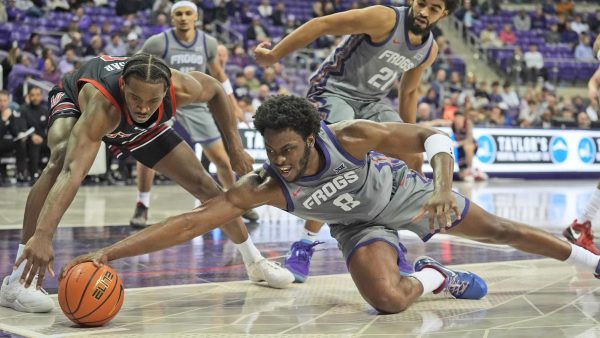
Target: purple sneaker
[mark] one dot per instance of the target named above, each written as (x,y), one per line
(298,259)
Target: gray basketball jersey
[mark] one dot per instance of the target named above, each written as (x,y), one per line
(347,190)
(184,57)
(361,70)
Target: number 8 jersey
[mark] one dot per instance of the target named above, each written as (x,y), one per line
(347,190)
(361,70)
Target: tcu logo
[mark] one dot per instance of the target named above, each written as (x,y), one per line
(102,285)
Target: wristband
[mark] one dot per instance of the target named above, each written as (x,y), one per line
(438,143)
(227,86)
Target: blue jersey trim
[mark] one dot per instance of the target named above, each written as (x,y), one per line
(183,44)
(321,145)
(339,147)
(286,193)
(166,45)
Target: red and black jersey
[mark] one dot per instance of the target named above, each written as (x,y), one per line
(104,73)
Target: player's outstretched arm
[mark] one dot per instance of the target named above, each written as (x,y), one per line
(195,87)
(249,192)
(375,21)
(83,145)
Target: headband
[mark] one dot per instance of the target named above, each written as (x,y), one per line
(184,4)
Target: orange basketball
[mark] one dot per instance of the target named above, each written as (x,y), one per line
(90,295)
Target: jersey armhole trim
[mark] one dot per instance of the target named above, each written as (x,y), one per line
(338,146)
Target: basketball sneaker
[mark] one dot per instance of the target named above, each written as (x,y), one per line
(251,215)
(14,295)
(457,284)
(140,216)
(581,234)
(273,273)
(298,259)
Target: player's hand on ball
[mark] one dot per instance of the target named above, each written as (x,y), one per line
(37,257)
(99,258)
(440,207)
(263,54)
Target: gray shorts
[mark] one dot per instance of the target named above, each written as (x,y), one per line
(334,108)
(200,124)
(412,191)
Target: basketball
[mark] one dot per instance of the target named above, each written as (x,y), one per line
(90,295)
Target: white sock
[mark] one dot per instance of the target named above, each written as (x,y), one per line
(144,198)
(431,279)
(249,251)
(16,274)
(591,209)
(583,258)
(309,235)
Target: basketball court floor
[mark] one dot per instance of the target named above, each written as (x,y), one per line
(200,289)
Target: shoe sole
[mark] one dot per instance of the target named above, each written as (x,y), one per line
(19,307)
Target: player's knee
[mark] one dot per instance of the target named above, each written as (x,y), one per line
(386,301)
(57,158)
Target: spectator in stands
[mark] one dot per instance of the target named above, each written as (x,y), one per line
(83,19)
(509,96)
(265,10)
(245,14)
(36,115)
(161,7)
(125,7)
(19,72)
(522,21)
(8,62)
(93,30)
(534,64)
(595,22)
(68,61)
(490,7)
(77,44)
(423,112)
(269,80)
(13,13)
(507,36)
(565,7)
(57,5)
(251,81)
(578,103)
(455,84)
(552,35)
(161,24)
(495,117)
(579,26)
(133,43)
(50,73)
(10,127)
(328,8)
(431,99)
(34,45)
(129,27)
(488,38)
(239,57)
(96,46)
(529,114)
(538,19)
(481,92)
(462,128)
(569,36)
(548,7)
(116,47)
(263,94)
(495,94)
(278,18)
(240,89)
(317,9)
(107,29)
(584,51)
(67,37)
(257,31)
(583,121)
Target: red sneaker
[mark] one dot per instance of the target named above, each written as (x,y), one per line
(581,234)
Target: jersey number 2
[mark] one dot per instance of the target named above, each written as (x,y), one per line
(346,202)
(383,79)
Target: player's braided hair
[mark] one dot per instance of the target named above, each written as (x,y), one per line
(288,112)
(148,68)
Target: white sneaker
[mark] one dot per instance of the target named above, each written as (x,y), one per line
(17,297)
(274,274)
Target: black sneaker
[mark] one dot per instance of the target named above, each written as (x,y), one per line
(140,216)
